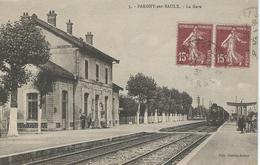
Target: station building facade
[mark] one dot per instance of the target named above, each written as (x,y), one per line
(83,83)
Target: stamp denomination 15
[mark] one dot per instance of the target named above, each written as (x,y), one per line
(232,46)
(194,44)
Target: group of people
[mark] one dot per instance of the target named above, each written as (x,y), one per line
(247,124)
(85,119)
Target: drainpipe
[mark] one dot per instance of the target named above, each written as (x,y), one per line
(76,77)
(73,105)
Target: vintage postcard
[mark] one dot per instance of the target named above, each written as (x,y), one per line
(119,82)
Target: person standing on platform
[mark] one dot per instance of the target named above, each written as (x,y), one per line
(249,122)
(246,124)
(82,120)
(89,120)
(243,123)
(240,124)
(254,123)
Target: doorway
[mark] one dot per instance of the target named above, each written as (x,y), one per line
(64,108)
(113,112)
(96,111)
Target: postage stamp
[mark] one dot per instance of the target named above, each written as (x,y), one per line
(232,46)
(194,44)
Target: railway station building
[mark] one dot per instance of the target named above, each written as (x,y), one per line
(83,83)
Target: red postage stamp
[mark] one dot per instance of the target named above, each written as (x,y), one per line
(194,44)
(232,46)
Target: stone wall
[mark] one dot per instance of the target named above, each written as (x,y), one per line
(98,112)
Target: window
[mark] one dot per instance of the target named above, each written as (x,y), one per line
(106,76)
(32,106)
(86,103)
(86,69)
(97,72)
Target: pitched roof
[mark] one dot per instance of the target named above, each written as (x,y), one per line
(72,39)
(57,70)
(116,87)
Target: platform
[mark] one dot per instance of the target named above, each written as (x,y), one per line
(226,147)
(33,142)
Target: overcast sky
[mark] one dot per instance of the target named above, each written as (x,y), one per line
(144,40)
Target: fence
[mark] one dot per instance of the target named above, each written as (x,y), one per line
(130,119)
(127,119)
(151,119)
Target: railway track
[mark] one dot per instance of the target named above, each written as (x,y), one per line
(209,129)
(169,153)
(185,151)
(197,127)
(126,154)
(150,148)
(99,151)
(184,128)
(204,128)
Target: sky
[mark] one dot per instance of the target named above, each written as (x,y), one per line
(144,40)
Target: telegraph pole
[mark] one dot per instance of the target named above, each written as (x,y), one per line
(236,110)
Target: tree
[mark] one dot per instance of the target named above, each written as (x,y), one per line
(176,100)
(186,102)
(163,101)
(171,101)
(3,100)
(128,104)
(163,96)
(142,88)
(44,83)
(21,43)
(3,96)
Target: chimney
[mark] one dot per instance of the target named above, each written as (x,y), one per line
(52,17)
(25,16)
(69,27)
(89,38)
